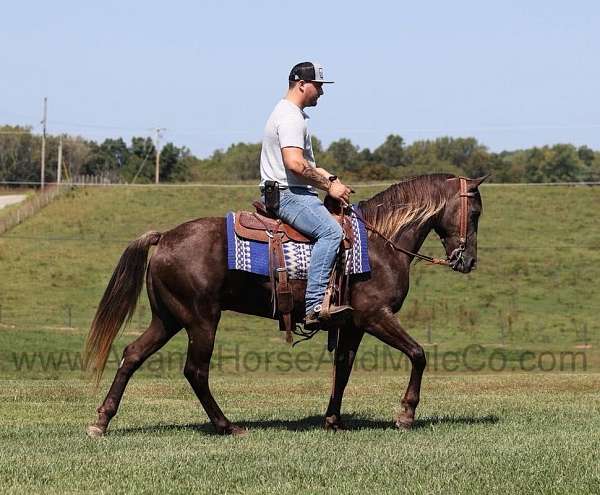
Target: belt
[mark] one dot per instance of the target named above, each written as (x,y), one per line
(262,189)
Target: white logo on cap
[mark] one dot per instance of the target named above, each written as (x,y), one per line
(320,72)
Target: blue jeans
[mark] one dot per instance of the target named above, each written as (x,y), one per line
(306,213)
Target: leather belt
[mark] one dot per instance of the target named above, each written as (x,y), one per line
(262,189)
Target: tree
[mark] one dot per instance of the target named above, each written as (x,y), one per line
(344,153)
(534,162)
(107,159)
(173,167)
(563,164)
(586,155)
(322,157)
(19,154)
(391,152)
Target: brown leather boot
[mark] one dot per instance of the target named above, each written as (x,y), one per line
(311,322)
(337,315)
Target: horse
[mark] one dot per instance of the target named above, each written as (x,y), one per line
(189,286)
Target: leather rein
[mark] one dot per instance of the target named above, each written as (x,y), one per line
(457,254)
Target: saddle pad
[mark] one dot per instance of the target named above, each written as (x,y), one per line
(253,256)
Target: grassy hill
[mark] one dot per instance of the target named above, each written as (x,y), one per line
(535,289)
(480,427)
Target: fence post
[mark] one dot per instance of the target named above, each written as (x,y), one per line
(69,316)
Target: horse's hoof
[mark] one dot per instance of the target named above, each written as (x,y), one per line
(404,424)
(94,431)
(238,431)
(233,430)
(333,423)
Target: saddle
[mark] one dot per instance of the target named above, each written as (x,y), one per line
(262,226)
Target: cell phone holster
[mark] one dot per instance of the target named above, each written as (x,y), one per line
(272,196)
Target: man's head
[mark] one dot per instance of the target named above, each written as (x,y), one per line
(306,83)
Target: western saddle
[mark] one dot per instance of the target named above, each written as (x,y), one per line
(263,226)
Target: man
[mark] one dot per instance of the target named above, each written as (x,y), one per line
(287,158)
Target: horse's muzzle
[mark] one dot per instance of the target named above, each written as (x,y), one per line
(460,262)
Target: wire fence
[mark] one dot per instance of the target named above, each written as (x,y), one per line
(30,206)
(95,181)
(72,316)
(431,322)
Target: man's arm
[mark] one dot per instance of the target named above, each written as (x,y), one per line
(293,159)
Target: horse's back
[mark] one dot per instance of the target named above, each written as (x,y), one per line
(192,256)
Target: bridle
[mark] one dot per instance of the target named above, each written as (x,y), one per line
(456,256)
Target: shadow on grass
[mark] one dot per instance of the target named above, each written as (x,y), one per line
(310,423)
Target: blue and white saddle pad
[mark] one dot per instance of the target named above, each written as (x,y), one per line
(253,256)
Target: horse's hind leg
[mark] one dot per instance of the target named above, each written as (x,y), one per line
(200,347)
(345,353)
(134,355)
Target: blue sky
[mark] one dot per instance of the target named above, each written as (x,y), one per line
(511,73)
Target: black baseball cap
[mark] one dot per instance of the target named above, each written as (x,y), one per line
(308,71)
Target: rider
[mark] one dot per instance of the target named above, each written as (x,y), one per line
(287,158)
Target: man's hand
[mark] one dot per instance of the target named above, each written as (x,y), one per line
(339,191)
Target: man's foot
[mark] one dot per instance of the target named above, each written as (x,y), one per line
(311,322)
(337,314)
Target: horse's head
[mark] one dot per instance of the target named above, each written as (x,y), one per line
(457,224)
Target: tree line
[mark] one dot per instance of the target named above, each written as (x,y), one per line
(118,161)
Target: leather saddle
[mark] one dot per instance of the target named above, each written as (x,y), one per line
(263,227)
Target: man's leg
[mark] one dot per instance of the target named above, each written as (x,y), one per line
(306,213)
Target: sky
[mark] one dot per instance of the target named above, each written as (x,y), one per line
(513,74)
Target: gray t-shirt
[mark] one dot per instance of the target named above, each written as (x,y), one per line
(286,127)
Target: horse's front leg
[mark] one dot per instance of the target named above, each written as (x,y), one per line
(384,326)
(348,342)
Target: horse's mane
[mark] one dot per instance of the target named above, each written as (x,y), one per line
(410,202)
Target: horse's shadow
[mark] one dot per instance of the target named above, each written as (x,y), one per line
(351,422)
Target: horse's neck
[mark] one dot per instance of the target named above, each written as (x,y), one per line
(413,238)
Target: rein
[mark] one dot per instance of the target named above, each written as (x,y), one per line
(457,254)
(392,244)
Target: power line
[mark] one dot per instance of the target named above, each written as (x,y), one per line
(212,130)
(142,165)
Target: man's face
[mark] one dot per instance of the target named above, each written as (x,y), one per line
(312,92)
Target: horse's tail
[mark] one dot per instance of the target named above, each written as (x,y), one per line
(118,302)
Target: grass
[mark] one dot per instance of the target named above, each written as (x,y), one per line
(492,434)
(499,411)
(535,287)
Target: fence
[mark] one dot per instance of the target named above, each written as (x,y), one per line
(93,180)
(30,207)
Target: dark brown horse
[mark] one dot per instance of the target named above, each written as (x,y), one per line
(189,286)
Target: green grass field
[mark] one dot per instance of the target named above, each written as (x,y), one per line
(484,434)
(510,399)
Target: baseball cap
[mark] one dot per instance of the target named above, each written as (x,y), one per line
(308,71)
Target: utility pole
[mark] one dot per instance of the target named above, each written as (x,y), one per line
(43,122)
(157,170)
(59,168)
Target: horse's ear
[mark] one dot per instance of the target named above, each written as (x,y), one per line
(475,183)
